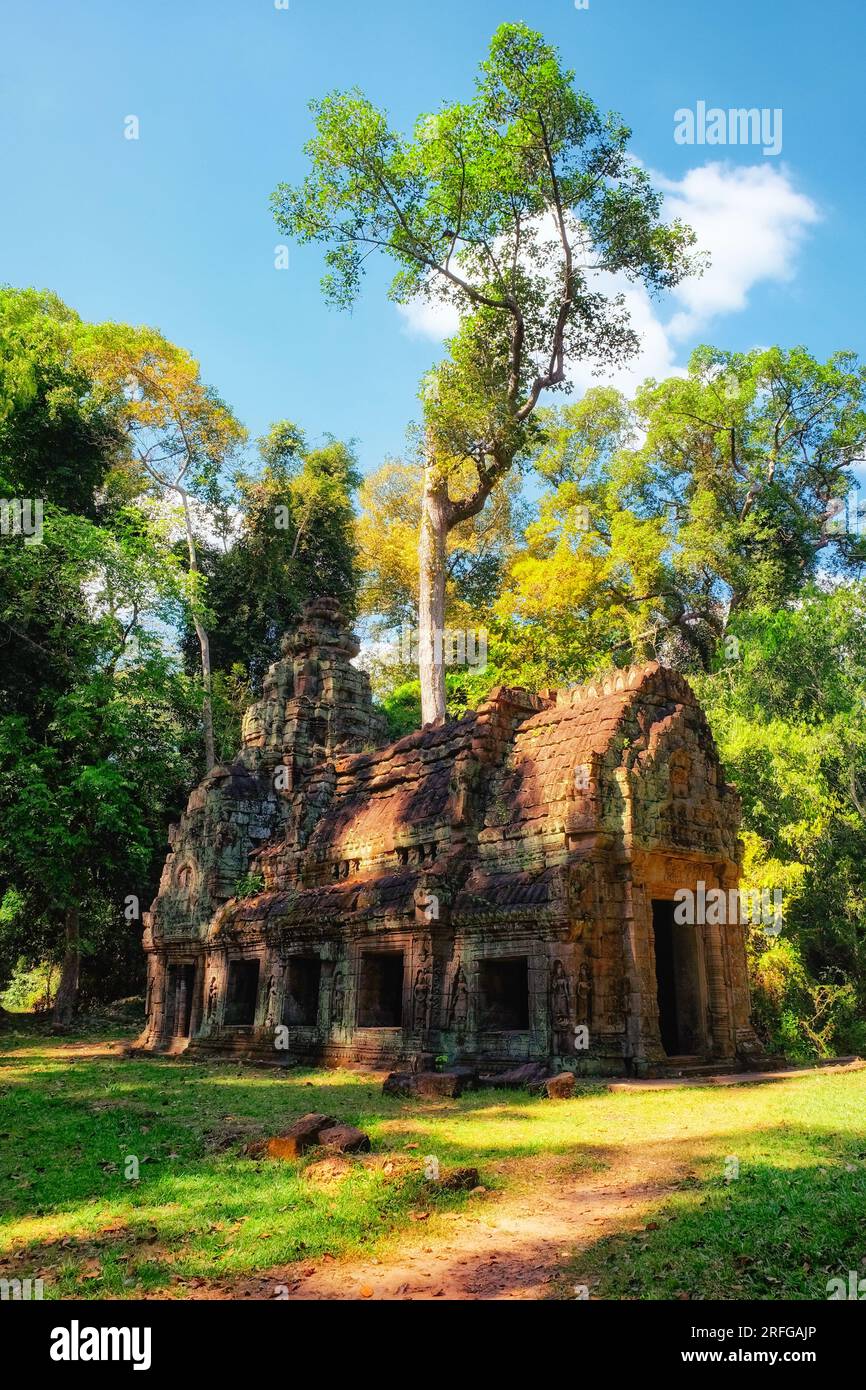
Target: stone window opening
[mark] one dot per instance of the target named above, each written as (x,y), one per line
(503,995)
(242,993)
(403,855)
(301,1000)
(318,734)
(380,995)
(184,878)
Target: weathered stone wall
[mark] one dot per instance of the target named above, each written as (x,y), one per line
(507,864)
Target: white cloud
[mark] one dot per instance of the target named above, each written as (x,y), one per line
(751,220)
(429,318)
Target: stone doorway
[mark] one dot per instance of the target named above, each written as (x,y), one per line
(380,997)
(181,982)
(243,989)
(303,981)
(503,991)
(678,982)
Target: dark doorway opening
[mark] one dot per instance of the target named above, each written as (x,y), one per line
(181,982)
(678,983)
(242,993)
(380,998)
(301,1006)
(503,988)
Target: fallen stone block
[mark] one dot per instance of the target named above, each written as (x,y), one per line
(468,1076)
(302,1135)
(518,1078)
(438,1083)
(428,1083)
(559,1087)
(399,1083)
(344,1139)
(460,1180)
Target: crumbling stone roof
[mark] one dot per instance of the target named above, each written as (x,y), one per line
(488,810)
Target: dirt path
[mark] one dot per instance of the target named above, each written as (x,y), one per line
(505,1246)
(510,1245)
(513,1243)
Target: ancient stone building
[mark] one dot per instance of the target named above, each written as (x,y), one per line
(494,890)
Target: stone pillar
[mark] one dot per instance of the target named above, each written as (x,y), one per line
(718,1003)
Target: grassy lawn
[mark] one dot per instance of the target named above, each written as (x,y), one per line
(72,1113)
(794,1217)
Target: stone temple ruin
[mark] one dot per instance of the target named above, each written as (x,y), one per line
(495,890)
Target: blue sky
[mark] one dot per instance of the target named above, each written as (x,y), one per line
(174,229)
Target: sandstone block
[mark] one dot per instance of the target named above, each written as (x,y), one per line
(344,1139)
(300,1136)
(460,1180)
(560,1087)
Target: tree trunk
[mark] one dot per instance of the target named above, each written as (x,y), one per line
(207,702)
(203,642)
(67,990)
(431,599)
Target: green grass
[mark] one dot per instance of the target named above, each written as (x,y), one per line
(71,1113)
(794,1217)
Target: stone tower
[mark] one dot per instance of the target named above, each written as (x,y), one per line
(315,707)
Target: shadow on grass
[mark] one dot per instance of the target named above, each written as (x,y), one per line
(200,1210)
(772,1232)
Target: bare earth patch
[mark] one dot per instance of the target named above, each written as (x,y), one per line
(500,1246)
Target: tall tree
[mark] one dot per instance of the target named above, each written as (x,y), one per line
(293,539)
(61,444)
(182,436)
(92,768)
(389,526)
(749,457)
(60,435)
(508,207)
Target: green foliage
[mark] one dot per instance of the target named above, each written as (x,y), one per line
(113,427)
(294,540)
(402,708)
(232,695)
(83,814)
(464,691)
(789,715)
(95,718)
(748,456)
(249,886)
(505,207)
(60,433)
(796,1015)
(480,173)
(31,988)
